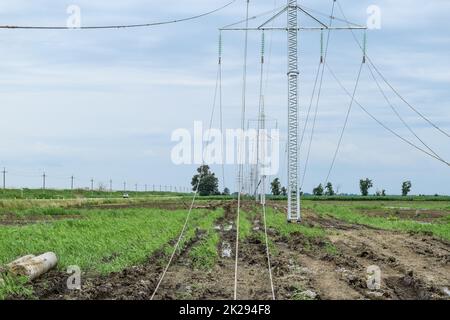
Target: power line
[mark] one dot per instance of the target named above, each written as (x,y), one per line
(124,26)
(269,264)
(332,17)
(254,17)
(221,110)
(260,109)
(241,152)
(345,123)
(196,190)
(390,85)
(380,122)
(398,114)
(406,102)
(323,59)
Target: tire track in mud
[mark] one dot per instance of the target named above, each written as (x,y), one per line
(302,271)
(253,273)
(412,266)
(218,283)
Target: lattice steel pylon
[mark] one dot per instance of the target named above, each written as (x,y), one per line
(293,73)
(292,28)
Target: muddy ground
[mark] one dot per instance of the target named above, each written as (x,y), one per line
(412,267)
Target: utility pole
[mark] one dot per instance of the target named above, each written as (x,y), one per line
(92,184)
(71,182)
(110,185)
(291,10)
(4,178)
(124,187)
(43,180)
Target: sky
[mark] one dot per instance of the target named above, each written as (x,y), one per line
(102,104)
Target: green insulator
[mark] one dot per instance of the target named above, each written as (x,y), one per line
(220,45)
(321,46)
(263,44)
(364,47)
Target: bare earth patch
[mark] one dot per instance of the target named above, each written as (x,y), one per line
(12,219)
(407,214)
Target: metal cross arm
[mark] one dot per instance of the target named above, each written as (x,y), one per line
(298,29)
(263,27)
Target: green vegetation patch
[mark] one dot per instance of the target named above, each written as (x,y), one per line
(246,224)
(278,222)
(205,254)
(104,241)
(14,287)
(439,229)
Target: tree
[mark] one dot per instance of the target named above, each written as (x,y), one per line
(365,185)
(318,191)
(226,192)
(275,185)
(406,188)
(284,192)
(330,190)
(383,193)
(209,184)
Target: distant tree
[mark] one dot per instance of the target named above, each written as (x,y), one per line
(226,192)
(365,185)
(275,185)
(284,192)
(329,189)
(383,193)
(209,184)
(318,191)
(406,188)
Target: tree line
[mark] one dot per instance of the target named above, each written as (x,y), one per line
(328,190)
(208,185)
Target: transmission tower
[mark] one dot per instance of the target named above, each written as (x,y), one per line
(292,9)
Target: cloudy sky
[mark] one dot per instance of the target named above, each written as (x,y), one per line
(102,104)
